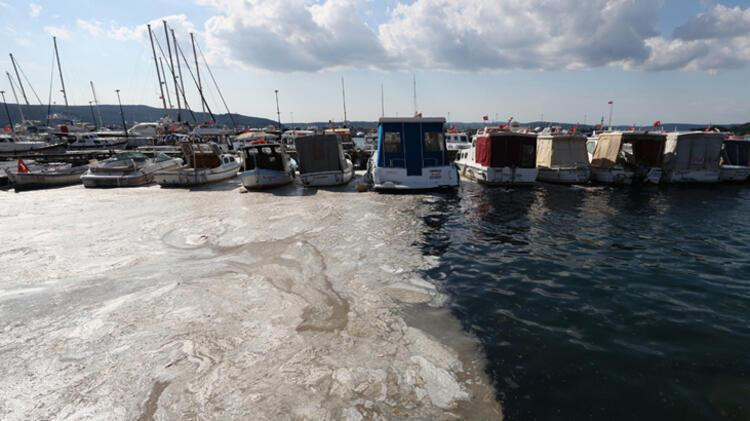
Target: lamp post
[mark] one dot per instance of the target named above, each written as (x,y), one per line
(122,115)
(7,112)
(278,113)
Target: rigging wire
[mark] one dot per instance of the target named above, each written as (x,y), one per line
(28,83)
(203,99)
(173,75)
(217,85)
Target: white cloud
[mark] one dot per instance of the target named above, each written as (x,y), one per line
(34,9)
(57,31)
(93,27)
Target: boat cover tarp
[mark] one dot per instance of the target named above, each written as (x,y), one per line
(506,149)
(264,157)
(561,151)
(319,153)
(693,151)
(737,152)
(645,149)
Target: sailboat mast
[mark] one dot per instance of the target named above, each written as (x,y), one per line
(59,70)
(18,76)
(156,64)
(96,103)
(343,95)
(164,79)
(414,86)
(382,102)
(179,67)
(198,71)
(13,89)
(171,68)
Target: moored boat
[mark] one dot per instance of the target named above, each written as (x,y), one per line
(204,164)
(90,141)
(412,155)
(10,145)
(322,161)
(562,158)
(265,165)
(37,176)
(735,159)
(692,157)
(625,158)
(127,169)
(500,157)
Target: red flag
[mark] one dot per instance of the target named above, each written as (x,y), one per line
(418,115)
(574,130)
(7,129)
(22,168)
(485,118)
(611,102)
(657,123)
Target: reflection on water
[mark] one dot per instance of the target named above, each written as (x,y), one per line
(600,303)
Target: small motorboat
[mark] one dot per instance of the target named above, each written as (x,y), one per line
(204,164)
(500,157)
(624,158)
(14,145)
(127,169)
(36,176)
(412,155)
(562,158)
(91,141)
(457,141)
(692,157)
(266,165)
(735,159)
(322,161)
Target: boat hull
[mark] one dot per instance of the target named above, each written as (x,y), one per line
(701,176)
(569,175)
(734,173)
(445,177)
(187,177)
(328,178)
(135,178)
(31,181)
(498,176)
(625,177)
(258,179)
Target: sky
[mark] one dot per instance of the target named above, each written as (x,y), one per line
(557,60)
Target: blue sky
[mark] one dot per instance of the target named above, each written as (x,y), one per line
(669,60)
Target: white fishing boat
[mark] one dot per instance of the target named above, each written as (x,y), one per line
(625,158)
(500,157)
(456,141)
(251,137)
(36,176)
(692,157)
(266,165)
(10,144)
(91,141)
(562,158)
(735,159)
(322,161)
(127,169)
(412,155)
(204,164)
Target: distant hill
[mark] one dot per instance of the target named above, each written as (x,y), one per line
(133,114)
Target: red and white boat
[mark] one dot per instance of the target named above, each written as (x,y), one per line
(500,156)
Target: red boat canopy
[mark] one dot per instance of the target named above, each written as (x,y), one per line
(507,149)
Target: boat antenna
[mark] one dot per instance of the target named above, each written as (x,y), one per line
(179,69)
(96,102)
(171,69)
(156,63)
(164,79)
(414,86)
(15,96)
(7,112)
(198,72)
(343,96)
(122,114)
(213,79)
(382,102)
(278,113)
(59,70)
(20,83)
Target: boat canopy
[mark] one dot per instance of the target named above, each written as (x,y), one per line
(506,149)
(264,157)
(201,155)
(319,153)
(643,149)
(412,143)
(736,152)
(561,151)
(693,151)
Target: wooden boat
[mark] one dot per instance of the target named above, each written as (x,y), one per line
(322,161)
(625,158)
(44,176)
(204,164)
(692,157)
(265,165)
(500,157)
(562,158)
(735,159)
(412,155)
(127,169)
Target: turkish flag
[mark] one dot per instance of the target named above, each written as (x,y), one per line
(657,123)
(22,168)
(485,118)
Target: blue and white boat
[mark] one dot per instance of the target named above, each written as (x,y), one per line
(412,155)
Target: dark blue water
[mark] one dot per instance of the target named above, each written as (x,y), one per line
(600,303)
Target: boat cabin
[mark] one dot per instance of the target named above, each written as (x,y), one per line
(692,157)
(736,152)
(498,149)
(628,149)
(319,153)
(412,144)
(266,156)
(555,151)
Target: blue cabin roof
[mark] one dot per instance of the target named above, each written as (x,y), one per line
(412,143)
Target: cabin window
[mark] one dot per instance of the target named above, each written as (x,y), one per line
(433,142)
(392,141)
